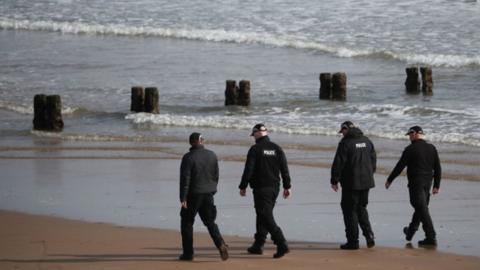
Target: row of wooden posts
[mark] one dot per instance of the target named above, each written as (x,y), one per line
(48,109)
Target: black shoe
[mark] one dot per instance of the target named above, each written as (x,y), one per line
(223,249)
(185,257)
(370,242)
(350,246)
(254,249)
(428,242)
(408,234)
(281,251)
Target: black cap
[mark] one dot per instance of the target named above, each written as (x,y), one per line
(195,137)
(415,129)
(258,127)
(346,125)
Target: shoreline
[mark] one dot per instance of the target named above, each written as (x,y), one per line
(136,184)
(38,242)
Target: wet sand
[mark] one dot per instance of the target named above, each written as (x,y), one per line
(136,184)
(39,242)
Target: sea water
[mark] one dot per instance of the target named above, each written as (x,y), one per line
(92,52)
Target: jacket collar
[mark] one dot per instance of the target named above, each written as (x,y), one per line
(197,147)
(261,139)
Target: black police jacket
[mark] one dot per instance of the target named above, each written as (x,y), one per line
(198,172)
(423,165)
(265,162)
(355,162)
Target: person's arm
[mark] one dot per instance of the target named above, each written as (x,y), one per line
(437,173)
(185,177)
(401,164)
(373,157)
(338,164)
(249,169)
(286,181)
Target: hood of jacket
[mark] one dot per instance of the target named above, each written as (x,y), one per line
(354,132)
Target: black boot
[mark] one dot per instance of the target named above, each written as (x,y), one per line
(256,248)
(282,249)
(408,234)
(370,241)
(350,246)
(223,249)
(428,242)
(185,257)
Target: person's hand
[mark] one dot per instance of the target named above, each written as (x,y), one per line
(435,190)
(286,193)
(243,192)
(335,187)
(184,204)
(387,184)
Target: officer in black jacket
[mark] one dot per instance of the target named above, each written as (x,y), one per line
(265,163)
(353,167)
(198,184)
(423,165)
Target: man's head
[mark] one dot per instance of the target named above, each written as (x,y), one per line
(195,138)
(345,126)
(259,130)
(415,133)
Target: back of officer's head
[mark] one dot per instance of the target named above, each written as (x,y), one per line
(195,138)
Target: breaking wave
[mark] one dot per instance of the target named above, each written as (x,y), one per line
(222,35)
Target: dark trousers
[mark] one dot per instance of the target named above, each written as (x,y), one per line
(354,208)
(202,204)
(264,200)
(419,199)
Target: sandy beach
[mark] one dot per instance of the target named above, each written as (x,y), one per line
(40,242)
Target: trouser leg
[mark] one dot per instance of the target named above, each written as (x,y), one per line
(362,213)
(420,198)
(187,221)
(264,204)
(208,214)
(350,218)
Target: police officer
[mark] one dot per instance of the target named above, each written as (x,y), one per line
(198,184)
(265,163)
(423,165)
(353,167)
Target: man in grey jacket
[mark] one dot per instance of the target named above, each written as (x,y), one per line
(198,184)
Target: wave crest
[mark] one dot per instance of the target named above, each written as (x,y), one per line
(222,35)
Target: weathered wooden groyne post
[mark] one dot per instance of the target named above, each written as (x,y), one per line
(244,93)
(325,91)
(47,112)
(412,83)
(427,80)
(231,93)
(138,99)
(151,100)
(339,86)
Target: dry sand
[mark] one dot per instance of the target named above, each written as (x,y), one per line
(40,242)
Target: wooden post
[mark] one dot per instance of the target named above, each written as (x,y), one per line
(339,86)
(244,93)
(54,113)
(231,93)
(138,99)
(412,83)
(427,80)
(325,91)
(151,100)
(39,112)
(47,112)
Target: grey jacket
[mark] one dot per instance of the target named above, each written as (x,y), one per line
(198,172)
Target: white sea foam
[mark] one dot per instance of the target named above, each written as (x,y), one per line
(292,123)
(222,35)
(28,109)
